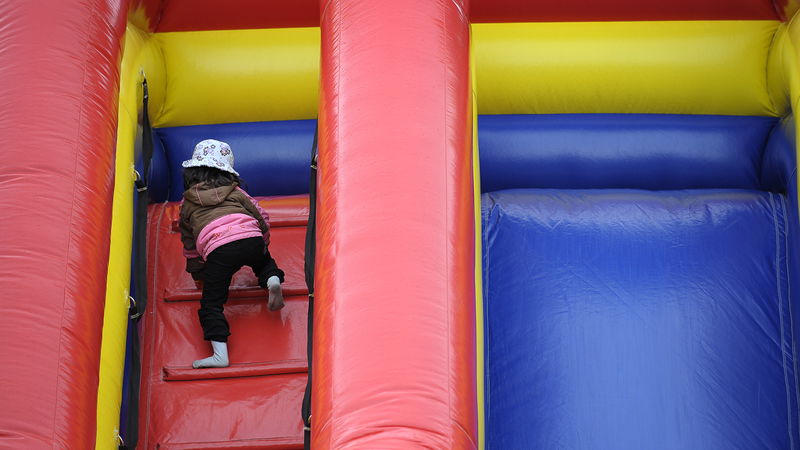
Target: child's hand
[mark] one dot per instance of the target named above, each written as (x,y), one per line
(198,284)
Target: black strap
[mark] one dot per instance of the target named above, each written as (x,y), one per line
(140,219)
(132,392)
(310,257)
(147,142)
(139,275)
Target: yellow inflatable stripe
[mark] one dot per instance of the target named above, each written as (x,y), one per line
(239,76)
(479,346)
(479,335)
(112,353)
(681,67)
(140,57)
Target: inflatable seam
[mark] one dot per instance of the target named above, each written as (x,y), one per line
(770,49)
(486,331)
(774,207)
(762,154)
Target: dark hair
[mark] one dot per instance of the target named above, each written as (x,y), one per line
(211,176)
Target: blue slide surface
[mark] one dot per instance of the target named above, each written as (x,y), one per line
(655,320)
(638,282)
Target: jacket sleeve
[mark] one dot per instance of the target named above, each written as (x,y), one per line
(194,262)
(257,212)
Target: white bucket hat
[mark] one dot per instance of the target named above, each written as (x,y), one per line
(212,153)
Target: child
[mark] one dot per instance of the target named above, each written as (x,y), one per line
(222,229)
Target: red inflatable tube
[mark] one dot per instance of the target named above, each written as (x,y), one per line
(622,10)
(394,342)
(59,77)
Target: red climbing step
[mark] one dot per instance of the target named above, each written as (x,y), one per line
(253,403)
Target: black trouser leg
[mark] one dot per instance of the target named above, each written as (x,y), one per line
(264,266)
(220,266)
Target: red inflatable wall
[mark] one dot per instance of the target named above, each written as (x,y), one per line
(394,344)
(624,10)
(58,81)
(185,15)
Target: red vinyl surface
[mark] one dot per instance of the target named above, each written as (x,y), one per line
(623,10)
(194,15)
(145,14)
(58,81)
(253,403)
(394,344)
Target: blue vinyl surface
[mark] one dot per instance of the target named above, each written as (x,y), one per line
(642,151)
(630,319)
(272,157)
(779,158)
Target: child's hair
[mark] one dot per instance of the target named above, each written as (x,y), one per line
(211,176)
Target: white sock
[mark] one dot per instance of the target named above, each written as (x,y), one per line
(218,359)
(275,293)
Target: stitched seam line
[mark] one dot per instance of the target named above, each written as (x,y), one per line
(772,41)
(780,316)
(485,274)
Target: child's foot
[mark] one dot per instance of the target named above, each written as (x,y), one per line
(218,359)
(275,294)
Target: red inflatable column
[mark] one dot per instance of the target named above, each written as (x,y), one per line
(58,84)
(394,358)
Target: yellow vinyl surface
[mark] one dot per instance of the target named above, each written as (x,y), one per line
(239,76)
(680,67)
(479,345)
(140,56)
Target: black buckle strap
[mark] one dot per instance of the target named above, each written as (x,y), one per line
(139,280)
(133,310)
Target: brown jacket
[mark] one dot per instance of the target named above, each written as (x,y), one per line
(202,205)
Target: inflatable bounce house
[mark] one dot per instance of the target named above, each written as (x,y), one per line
(505,224)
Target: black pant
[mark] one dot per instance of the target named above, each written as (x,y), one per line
(220,266)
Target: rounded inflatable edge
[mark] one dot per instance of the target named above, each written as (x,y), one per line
(140,59)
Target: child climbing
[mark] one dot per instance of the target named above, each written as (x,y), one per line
(222,229)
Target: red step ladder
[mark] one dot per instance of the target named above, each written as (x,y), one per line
(253,403)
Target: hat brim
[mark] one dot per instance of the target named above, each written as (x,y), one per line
(195,163)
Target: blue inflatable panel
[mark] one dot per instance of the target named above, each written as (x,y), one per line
(625,319)
(779,160)
(158,180)
(272,157)
(641,151)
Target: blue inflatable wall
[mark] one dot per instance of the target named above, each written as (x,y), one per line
(658,316)
(642,151)
(273,158)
